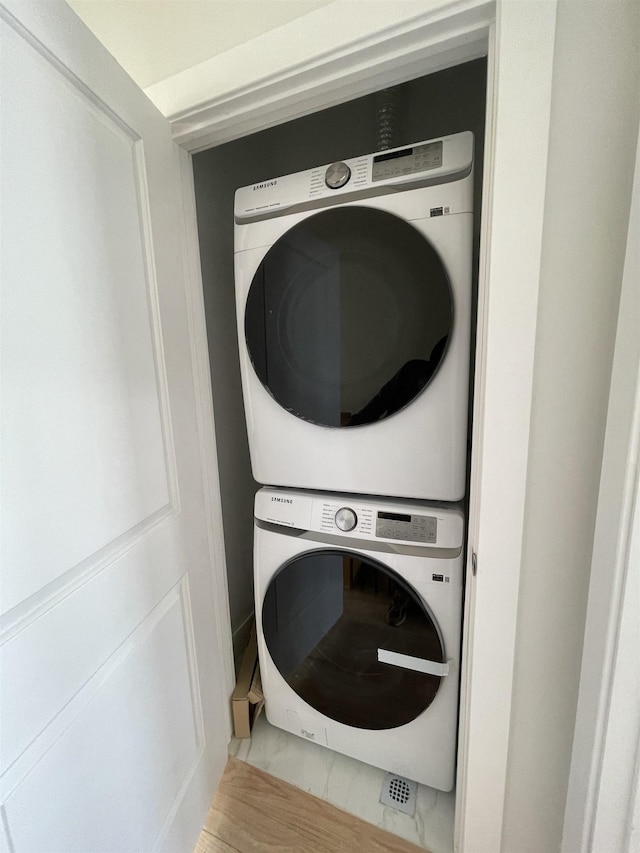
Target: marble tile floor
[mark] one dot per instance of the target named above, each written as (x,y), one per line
(348,784)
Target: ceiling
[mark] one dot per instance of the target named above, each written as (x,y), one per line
(155,39)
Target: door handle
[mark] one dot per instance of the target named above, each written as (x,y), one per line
(430,667)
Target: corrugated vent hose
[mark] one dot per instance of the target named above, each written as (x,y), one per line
(387,119)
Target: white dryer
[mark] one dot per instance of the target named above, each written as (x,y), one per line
(358,614)
(353,293)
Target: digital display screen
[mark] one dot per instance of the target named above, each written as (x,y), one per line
(407,161)
(394,516)
(393,155)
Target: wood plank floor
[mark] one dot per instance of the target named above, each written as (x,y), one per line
(253,811)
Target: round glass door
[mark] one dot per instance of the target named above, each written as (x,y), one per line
(348,317)
(350,637)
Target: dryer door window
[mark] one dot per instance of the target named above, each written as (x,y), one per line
(353,640)
(348,317)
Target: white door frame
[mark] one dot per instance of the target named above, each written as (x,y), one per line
(519,40)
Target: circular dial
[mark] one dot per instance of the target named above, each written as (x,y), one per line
(337,175)
(346,519)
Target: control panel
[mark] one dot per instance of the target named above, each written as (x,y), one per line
(359,517)
(434,161)
(407,161)
(408,527)
(334,516)
(368,521)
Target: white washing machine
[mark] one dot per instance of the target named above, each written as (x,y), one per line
(358,615)
(353,291)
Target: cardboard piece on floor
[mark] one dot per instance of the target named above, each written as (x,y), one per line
(247,700)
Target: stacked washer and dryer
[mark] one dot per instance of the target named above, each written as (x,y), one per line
(353,294)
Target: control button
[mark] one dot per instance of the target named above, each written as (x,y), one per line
(337,175)
(346,519)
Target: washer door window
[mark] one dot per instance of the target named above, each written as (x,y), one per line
(348,317)
(353,640)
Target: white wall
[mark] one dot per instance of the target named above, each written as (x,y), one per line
(606,741)
(594,123)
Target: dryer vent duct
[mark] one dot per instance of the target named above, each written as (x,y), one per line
(387,110)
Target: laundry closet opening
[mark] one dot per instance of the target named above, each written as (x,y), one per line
(440,104)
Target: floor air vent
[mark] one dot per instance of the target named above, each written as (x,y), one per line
(399,793)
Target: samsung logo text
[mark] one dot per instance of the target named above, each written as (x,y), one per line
(264,185)
(282,500)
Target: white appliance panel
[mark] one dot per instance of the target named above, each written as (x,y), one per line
(428,163)
(419,450)
(424,748)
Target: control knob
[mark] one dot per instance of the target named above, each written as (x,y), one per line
(337,175)
(346,519)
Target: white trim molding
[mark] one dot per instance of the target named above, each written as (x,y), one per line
(206,424)
(511,250)
(339,52)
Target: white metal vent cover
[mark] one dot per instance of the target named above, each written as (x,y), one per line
(399,793)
